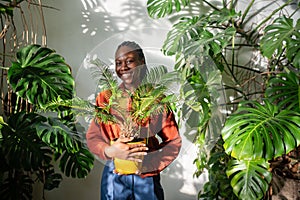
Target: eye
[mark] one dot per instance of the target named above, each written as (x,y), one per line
(118,63)
(129,61)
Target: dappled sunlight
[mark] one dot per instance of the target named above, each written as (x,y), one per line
(112,16)
(180,174)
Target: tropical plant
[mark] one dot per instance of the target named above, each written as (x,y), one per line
(259,62)
(150,98)
(33,141)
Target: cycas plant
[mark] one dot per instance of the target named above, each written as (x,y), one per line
(260,90)
(152,97)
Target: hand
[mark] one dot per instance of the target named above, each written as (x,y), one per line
(138,172)
(120,149)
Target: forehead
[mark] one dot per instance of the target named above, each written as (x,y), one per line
(125,51)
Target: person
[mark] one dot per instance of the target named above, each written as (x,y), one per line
(130,67)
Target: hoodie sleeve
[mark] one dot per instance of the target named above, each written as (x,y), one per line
(165,152)
(98,136)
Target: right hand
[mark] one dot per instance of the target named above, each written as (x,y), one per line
(120,149)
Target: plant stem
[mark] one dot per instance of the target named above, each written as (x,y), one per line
(212,6)
(246,11)
(270,16)
(233,50)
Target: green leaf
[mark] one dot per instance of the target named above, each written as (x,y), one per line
(200,92)
(40,75)
(283,89)
(76,164)
(209,41)
(7,9)
(223,15)
(249,178)
(161,8)
(191,37)
(154,94)
(74,159)
(50,179)
(261,131)
(105,76)
(180,34)
(21,144)
(280,35)
(58,135)
(1,122)
(16,186)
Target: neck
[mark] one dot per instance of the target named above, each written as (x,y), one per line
(133,86)
(130,87)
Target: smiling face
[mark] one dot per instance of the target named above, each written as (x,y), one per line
(129,66)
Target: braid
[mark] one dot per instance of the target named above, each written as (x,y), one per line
(134,46)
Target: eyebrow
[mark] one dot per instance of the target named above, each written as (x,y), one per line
(124,57)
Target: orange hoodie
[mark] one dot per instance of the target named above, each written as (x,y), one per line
(164,141)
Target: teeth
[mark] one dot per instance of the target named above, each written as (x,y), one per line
(127,75)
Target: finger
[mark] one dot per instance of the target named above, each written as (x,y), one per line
(138,172)
(138,149)
(137,145)
(116,172)
(125,139)
(135,159)
(139,153)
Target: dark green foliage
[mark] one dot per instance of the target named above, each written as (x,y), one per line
(258,60)
(32,141)
(40,75)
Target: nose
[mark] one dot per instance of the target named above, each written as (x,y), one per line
(124,66)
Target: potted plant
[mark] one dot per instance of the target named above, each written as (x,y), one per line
(149,99)
(259,63)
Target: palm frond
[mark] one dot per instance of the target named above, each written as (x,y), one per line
(105,76)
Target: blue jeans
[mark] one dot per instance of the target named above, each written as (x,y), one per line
(129,187)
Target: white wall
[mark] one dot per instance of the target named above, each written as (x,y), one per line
(96,27)
(87,27)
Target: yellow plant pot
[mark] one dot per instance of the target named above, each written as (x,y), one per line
(128,166)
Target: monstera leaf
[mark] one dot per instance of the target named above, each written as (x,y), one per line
(261,131)
(204,40)
(75,160)
(17,187)
(21,145)
(179,35)
(52,131)
(282,35)
(40,75)
(249,178)
(161,8)
(76,164)
(284,90)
